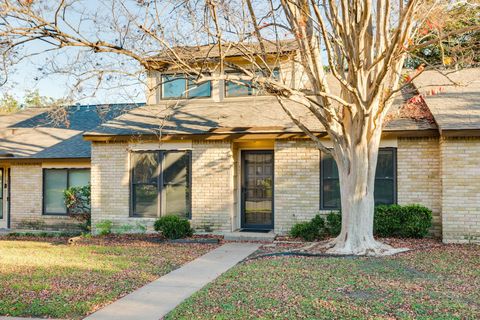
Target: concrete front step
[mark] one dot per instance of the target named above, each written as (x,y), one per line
(249,236)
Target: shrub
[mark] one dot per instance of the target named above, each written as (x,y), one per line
(173,227)
(410,221)
(77,201)
(334,223)
(416,221)
(104,227)
(387,220)
(309,231)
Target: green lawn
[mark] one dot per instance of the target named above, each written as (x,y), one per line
(440,283)
(49,279)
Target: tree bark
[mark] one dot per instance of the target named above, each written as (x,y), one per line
(357,180)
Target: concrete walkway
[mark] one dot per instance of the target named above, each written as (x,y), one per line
(156,299)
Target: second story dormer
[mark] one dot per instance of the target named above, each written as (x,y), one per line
(175,74)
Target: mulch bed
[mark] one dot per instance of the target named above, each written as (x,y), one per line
(292,246)
(149,239)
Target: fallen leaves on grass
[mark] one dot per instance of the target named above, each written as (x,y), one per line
(52,279)
(432,281)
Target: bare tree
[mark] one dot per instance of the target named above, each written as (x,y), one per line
(364,45)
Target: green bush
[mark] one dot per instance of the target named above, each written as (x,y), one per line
(173,227)
(77,201)
(416,221)
(334,223)
(309,231)
(387,220)
(104,227)
(410,221)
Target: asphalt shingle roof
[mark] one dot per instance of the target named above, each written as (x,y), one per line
(33,133)
(229,49)
(457,105)
(233,115)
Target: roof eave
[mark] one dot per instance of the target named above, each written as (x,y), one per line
(243,135)
(452,133)
(38,160)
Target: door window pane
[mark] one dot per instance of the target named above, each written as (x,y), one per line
(79,178)
(173,86)
(55,184)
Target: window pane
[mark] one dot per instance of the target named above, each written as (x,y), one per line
(55,184)
(79,178)
(385,164)
(276,74)
(145,167)
(176,183)
(173,86)
(199,90)
(177,200)
(145,203)
(329,167)
(237,90)
(384,180)
(175,170)
(384,192)
(331,194)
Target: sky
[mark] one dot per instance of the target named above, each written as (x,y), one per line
(29,75)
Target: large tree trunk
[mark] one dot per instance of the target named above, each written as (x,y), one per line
(357,180)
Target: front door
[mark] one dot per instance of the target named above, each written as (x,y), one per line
(257,189)
(3,198)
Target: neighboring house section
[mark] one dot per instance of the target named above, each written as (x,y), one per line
(42,152)
(457,112)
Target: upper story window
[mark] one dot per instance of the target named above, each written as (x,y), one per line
(385,180)
(236,89)
(179,86)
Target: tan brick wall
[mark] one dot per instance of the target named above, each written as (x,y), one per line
(27,201)
(461,189)
(418,175)
(297,183)
(212,185)
(110,185)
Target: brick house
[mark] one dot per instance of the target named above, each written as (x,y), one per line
(227,157)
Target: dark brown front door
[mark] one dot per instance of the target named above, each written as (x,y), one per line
(257,189)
